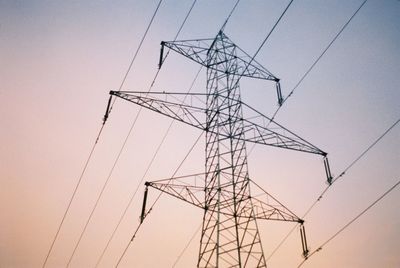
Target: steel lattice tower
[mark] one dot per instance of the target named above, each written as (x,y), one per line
(230,236)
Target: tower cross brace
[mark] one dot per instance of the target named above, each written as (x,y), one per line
(229,236)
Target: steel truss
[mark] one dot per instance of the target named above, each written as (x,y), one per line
(230,235)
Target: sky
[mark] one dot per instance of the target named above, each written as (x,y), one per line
(59,60)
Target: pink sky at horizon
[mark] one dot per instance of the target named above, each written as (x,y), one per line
(60,59)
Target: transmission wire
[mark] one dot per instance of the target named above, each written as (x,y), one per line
(333,181)
(158,148)
(186,246)
(130,130)
(318,59)
(229,16)
(281,243)
(311,67)
(269,34)
(73,196)
(247,66)
(141,180)
(353,163)
(291,93)
(350,222)
(158,197)
(263,43)
(98,136)
(102,191)
(136,53)
(297,85)
(226,21)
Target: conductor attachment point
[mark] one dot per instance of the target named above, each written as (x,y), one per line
(107,110)
(328,170)
(143,214)
(161,55)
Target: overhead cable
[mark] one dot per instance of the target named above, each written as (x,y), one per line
(229,16)
(247,66)
(333,181)
(158,148)
(350,222)
(72,197)
(319,58)
(107,113)
(137,52)
(353,163)
(141,180)
(186,246)
(158,197)
(297,85)
(162,60)
(263,42)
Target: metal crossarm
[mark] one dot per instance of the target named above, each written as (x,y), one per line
(187,188)
(229,234)
(191,189)
(190,115)
(201,50)
(264,131)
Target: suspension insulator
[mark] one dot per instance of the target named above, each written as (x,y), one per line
(279,93)
(143,215)
(107,110)
(327,170)
(161,55)
(304,241)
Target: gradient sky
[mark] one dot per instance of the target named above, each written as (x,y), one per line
(59,59)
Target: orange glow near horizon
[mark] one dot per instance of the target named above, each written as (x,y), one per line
(59,60)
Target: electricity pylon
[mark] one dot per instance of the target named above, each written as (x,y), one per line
(230,236)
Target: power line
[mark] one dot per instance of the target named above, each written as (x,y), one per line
(353,163)
(158,197)
(334,180)
(159,146)
(281,243)
(73,196)
(137,52)
(132,125)
(350,222)
(186,246)
(272,29)
(140,45)
(319,58)
(141,180)
(313,65)
(252,59)
(162,60)
(291,93)
(95,144)
(124,141)
(297,85)
(130,130)
(229,16)
(263,42)
(101,192)
(180,29)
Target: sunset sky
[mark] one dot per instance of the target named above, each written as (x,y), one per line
(59,60)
